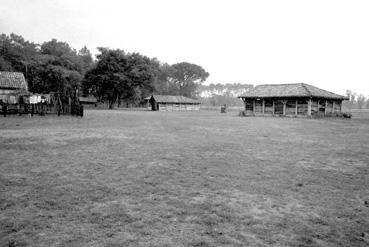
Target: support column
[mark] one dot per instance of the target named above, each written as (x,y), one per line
(318,107)
(273,110)
(284,107)
(263,106)
(296,112)
(333,107)
(309,107)
(253,106)
(325,108)
(340,106)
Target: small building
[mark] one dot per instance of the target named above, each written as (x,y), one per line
(297,99)
(12,85)
(89,100)
(173,103)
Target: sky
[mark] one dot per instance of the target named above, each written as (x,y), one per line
(320,42)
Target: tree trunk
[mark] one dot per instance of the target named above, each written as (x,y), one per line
(111,104)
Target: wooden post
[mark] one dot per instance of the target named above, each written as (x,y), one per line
(284,107)
(273,108)
(340,104)
(318,106)
(263,106)
(309,107)
(333,107)
(253,107)
(296,108)
(325,108)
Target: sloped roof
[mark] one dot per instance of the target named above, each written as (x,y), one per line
(174,99)
(289,90)
(13,80)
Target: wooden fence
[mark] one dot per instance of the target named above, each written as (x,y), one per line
(42,109)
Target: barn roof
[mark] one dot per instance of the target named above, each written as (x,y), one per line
(174,99)
(13,80)
(289,90)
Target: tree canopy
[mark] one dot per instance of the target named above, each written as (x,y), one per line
(121,76)
(130,77)
(186,77)
(115,76)
(53,66)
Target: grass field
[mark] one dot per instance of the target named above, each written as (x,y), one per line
(125,178)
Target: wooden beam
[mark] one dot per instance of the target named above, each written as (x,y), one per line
(333,107)
(309,107)
(318,106)
(296,108)
(263,106)
(273,110)
(284,107)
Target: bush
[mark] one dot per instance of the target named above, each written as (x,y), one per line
(336,115)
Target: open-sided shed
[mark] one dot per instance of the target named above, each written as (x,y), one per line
(298,99)
(173,103)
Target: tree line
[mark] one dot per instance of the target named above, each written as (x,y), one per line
(356,101)
(115,76)
(223,94)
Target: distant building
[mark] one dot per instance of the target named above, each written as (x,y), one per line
(12,84)
(89,100)
(298,99)
(173,103)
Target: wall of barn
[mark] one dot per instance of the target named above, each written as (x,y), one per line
(178,107)
(6,97)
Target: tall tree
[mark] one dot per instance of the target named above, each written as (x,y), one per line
(119,76)
(107,80)
(86,58)
(62,55)
(360,101)
(162,84)
(16,53)
(185,78)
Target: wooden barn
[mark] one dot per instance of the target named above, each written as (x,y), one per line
(173,103)
(297,99)
(12,85)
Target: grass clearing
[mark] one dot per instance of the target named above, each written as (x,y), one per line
(123,178)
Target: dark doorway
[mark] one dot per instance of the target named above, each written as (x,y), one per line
(153,105)
(278,107)
(249,107)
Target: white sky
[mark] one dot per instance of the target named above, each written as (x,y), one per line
(320,42)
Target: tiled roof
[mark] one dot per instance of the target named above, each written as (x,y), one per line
(289,90)
(12,80)
(174,99)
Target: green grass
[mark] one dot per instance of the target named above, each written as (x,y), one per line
(122,178)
